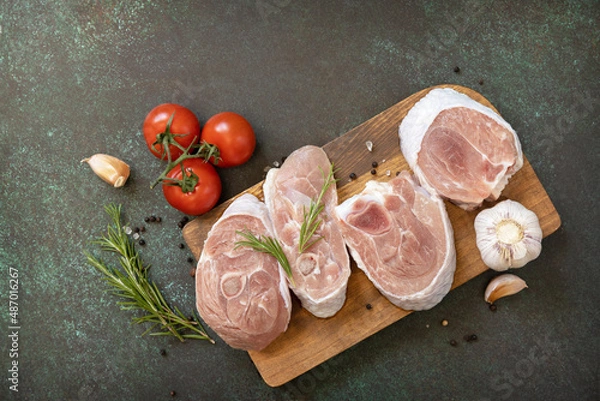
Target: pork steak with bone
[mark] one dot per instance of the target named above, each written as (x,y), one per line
(400,235)
(301,187)
(459,148)
(242,294)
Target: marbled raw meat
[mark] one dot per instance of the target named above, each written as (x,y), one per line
(401,237)
(459,148)
(242,294)
(321,272)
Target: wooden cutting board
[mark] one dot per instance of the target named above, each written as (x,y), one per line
(310,341)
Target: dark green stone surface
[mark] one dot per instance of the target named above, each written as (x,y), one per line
(78,77)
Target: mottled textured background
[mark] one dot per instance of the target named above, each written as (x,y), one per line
(78,77)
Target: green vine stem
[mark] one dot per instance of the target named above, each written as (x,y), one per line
(200,150)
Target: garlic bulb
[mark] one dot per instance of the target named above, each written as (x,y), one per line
(503,286)
(109,168)
(508,235)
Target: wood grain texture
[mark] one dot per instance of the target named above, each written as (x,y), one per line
(310,341)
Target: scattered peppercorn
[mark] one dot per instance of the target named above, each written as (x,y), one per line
(481,82)
(142,229)
(373,172)
(470,338)
(369,307)
(152,219)
(136,229)
(184,220)
(352,176)
(181,246)
(457,69)
(158,219)
(142,242)
(493,308)
(374,164)
(163,352)
(453,343)
(147,219)
(397,173)
(190,260)
(173,393)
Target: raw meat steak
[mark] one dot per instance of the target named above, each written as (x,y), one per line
(242,294)
(401,237)
(461,149)
(321,272)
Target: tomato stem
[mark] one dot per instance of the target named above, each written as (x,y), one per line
(202,150)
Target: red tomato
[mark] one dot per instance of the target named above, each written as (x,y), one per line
(234,137)
(203,196)
(185,128)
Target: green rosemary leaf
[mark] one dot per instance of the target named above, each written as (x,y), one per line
(137,292)
(268,245)
(311,221)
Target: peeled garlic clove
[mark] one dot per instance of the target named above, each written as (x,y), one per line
(508,235)
(503,286)
(109,168)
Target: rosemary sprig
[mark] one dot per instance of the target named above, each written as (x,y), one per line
(311,221)
(138,292)
(268,245)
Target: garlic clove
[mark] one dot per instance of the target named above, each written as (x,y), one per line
(110,169)
(503,286)
(508,235)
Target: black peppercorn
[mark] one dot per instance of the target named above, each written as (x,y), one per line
(158,219)
(147,219)
(163,352)
(369,307)
(181,246)
(374,164)
(470,338)
(481,82)
(136,229)
(152,218)
(493,308)
(373,172)
(184,220)
(190,260)
(142,242)
(457,69)
(453,343)
(352,176)
(173,393)
(142,229)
